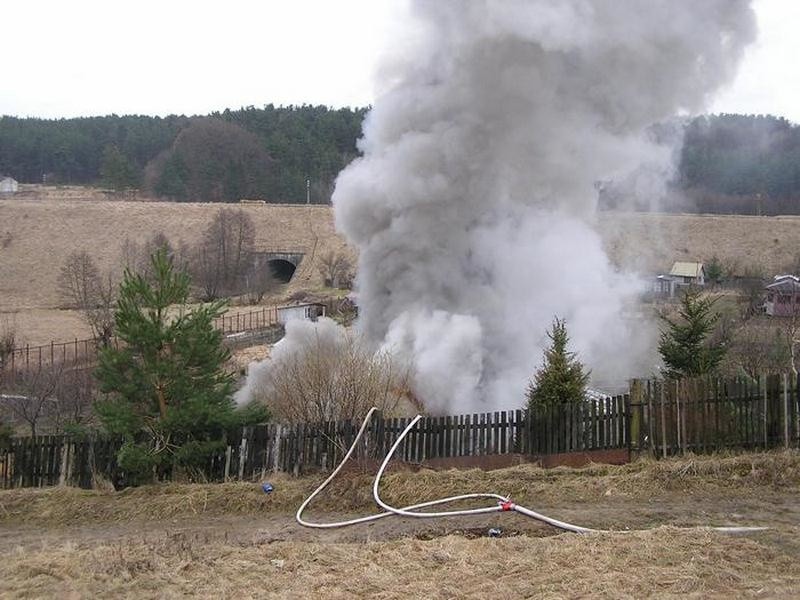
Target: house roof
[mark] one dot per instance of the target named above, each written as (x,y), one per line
(785,284)
(686,269)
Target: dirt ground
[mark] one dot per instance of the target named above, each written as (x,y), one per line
(232,540)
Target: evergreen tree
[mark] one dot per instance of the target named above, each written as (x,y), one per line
(167,391)
(686,346)
(561,378)
(117,170)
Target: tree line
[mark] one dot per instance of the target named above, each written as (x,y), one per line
(728,163)
(268,153)
(724,164)
(741,164)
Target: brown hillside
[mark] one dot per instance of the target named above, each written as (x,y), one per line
(36,234)
(652,242)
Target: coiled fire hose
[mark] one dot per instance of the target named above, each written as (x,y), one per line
(502,503)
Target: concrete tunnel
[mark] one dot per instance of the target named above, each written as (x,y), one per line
(282,270)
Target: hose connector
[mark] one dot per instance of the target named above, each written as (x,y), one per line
(507,505)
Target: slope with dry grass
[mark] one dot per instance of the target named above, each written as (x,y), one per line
(741,476)
(234,541)
(665,563)
(37,232)
(651,243)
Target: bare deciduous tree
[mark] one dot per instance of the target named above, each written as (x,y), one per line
(8,340)
(224,254)
(81,283)
(330,378)
(258,281)
(50,397)
(758,349)
(79,279)
(135,257)
(791,327)
(73,399)
(336,269)
(33,392)
(101,316)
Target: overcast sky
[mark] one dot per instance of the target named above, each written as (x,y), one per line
(94,57)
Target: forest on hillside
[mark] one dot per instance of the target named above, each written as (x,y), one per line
(265,153)
(729,163)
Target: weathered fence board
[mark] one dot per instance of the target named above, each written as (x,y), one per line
(254,451)
(661,418)
(703,415)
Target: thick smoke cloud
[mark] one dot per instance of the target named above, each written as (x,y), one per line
(473,204)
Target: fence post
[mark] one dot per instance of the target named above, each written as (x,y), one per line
(276,449)
(635,419)
(663,421)
(678,415)
(70,462)
(228,451)
(785,412)
(242,455)
(62,473)
(796,409)
(766,436)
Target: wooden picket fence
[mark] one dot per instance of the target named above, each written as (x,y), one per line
(58,460)
(661,418)
(255,451)
(706,414)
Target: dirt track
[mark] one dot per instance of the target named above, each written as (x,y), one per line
(774,510)
(231,540)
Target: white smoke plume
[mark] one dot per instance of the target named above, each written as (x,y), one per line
(473,204)
(323,334)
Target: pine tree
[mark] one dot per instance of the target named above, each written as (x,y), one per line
(167,391)
(685,346)
(117,171)
(561,378)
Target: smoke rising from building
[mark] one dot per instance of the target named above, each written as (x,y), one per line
(473,204)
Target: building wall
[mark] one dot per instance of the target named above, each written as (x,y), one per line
(781,305)
(302,311)
(8,186)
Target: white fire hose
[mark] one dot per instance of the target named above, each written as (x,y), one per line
(502,503)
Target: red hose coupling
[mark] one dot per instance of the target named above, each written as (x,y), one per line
(507,505)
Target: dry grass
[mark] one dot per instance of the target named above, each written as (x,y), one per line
(132,557)
(652,242)
(742,476)
(36,231)
(41,232)
(665,562)
(39,326)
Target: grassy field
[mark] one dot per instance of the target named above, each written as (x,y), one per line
(36,235)
(37,232)
(232,540)
(652,242)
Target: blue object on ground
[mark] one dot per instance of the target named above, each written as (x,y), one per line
(267,487)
